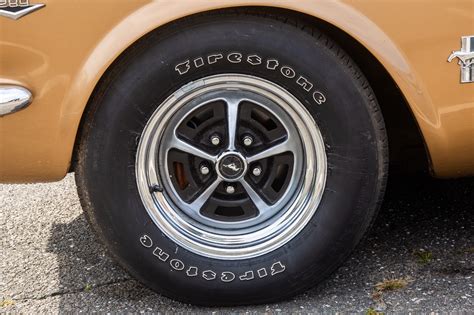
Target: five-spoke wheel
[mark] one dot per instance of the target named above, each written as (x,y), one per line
(241,163)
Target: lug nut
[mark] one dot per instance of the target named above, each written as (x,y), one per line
(247,140)
(230,189)
(257,171)
(215,140)
(204,170)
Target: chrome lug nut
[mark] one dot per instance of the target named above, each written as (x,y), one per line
(215,140)
(204,170)
(247,140)
(257,171)
(230,189)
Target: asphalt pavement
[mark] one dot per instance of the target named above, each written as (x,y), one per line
(418,257)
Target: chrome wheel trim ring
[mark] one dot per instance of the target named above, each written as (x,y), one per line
(243,243)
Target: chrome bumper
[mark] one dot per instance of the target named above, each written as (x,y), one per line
(13,98)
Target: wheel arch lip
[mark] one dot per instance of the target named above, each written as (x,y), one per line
(340,15)
(153,15)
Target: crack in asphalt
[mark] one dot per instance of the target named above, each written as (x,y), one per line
(73,291)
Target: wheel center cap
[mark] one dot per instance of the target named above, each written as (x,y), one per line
(231,166)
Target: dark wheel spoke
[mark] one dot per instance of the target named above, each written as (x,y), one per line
(201,199)
(286,146)
(232,118)
(259,203)
(181,145)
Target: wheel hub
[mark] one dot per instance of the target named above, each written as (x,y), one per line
(231,166)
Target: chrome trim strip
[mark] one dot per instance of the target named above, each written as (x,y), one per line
(19,14)
(13,98)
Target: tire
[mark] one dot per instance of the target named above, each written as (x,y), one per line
(140,186)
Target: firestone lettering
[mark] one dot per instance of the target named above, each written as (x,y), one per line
(210,275)
(254,60)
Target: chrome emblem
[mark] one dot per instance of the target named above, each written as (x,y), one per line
(232,166)
(465,58)
(16,9)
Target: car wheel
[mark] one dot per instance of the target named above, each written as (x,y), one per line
(232,159)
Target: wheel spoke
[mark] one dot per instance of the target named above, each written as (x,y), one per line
(232,116)
(261,205)
(191,149)
(275,150)
(201,200)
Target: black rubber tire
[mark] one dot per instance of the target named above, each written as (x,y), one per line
(349,119)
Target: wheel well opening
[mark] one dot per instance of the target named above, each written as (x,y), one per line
(407,149)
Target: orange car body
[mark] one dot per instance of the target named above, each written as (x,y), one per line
(61,51)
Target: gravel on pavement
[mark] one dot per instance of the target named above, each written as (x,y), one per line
(422,245)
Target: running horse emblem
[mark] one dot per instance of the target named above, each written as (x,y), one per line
(466,58)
